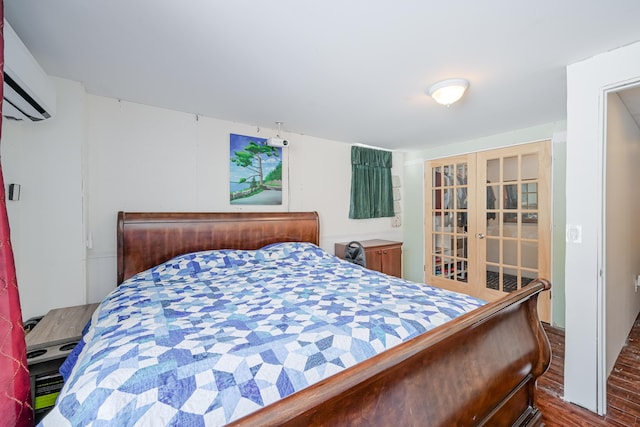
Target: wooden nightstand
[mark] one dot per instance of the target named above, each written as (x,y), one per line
(382,255)
(48,345)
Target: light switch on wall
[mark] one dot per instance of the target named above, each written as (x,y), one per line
(574,233)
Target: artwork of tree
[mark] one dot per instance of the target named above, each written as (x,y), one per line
(256,171)
(251,158)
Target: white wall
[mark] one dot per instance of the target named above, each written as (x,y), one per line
(139,158)
(622,226)
(587,82)
(45,158)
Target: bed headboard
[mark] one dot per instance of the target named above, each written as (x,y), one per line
(148,239)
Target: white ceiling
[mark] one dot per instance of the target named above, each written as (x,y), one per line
(353,71)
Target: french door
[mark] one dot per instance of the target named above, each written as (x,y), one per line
(488,221)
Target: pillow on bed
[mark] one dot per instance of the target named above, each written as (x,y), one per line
(228,259)
(300,251)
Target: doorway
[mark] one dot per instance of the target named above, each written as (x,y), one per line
(621,231)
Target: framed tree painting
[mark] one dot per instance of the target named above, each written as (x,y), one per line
(255,171)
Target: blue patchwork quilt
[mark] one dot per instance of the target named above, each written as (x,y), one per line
(209,337)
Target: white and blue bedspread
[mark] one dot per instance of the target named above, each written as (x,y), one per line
(209,337)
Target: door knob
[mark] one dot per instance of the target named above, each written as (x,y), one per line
(480,236)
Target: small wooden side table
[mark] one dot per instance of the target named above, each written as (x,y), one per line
(48,345)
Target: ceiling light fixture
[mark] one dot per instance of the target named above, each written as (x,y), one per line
(446,92)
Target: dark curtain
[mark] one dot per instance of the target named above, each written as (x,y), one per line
(15,394)
(371,186)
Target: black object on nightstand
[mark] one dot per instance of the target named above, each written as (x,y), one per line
(48,345)
(384,256)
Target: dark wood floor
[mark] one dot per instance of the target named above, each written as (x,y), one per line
(623,388)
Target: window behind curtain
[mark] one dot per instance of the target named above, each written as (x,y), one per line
(371,185)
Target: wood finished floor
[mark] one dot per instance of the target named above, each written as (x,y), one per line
(623,388)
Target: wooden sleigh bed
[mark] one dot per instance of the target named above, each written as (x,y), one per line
(479,369)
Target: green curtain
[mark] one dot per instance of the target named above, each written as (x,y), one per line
(371,186)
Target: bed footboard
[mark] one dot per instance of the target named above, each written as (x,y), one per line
(479,369)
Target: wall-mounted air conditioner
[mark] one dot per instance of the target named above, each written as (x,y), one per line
(29,93)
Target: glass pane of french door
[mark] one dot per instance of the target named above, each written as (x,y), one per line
(515,232)
(510,242)
(448,222)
